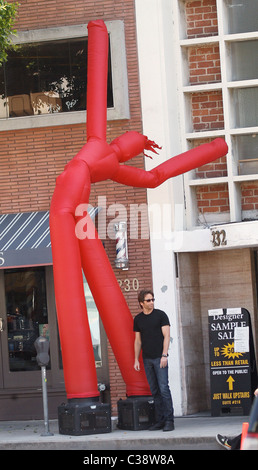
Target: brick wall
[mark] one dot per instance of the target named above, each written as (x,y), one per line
(201,18)
(204,64)
(207,111)
(31,159)
(213,198)
(249,199)
(34,14)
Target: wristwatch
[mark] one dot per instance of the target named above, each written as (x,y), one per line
(164,355)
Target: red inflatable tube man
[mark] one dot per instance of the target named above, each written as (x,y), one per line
(98,161)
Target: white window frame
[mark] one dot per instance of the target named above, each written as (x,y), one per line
(232,179)
(120,110)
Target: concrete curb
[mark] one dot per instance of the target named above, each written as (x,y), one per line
(190,433)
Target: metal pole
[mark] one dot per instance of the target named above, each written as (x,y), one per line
(45,402)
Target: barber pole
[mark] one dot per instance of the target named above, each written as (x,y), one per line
(121,260)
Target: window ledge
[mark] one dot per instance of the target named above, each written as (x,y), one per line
(56,119)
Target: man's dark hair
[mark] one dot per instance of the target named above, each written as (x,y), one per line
(142,295)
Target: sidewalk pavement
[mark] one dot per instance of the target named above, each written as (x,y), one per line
(195,432)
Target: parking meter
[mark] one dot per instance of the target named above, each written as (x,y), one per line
(42,347)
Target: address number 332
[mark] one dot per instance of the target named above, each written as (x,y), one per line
(219,238)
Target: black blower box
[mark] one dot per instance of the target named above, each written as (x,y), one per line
(136,413)
(81,416)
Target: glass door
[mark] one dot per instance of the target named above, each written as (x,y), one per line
(24,317)
(27,310)
(98,336)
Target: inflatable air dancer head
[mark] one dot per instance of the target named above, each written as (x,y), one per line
(99,161)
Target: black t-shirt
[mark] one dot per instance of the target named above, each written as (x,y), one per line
(149,327)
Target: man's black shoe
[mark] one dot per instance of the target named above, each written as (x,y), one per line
(169,426)
(156,426)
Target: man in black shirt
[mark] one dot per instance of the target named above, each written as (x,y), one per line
(152,336)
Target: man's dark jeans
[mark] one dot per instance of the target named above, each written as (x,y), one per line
(158,381)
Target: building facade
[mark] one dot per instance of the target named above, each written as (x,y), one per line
(204,63)
(42,126)
(183,72)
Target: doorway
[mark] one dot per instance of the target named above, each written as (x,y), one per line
(27,310)
(25,315)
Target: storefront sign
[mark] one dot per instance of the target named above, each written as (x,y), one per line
(232,361)
(25,257)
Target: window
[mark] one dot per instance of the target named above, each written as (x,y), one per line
(52,79)
(217,40)
(44,82)
(93,316)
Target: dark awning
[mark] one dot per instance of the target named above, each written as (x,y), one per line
(25,239)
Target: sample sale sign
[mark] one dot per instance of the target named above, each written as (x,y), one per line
(232,362)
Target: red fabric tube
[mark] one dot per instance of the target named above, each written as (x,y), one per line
(174,166)
(115,314)
(77,352)
(97,79)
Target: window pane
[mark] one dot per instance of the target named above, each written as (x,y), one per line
(244,60)
(247,146)
(246,149)
(27,316)
(242,16)
(244,107)
(52,79)
(93,316)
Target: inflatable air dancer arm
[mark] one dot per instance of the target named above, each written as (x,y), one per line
(98,161)
(175,166)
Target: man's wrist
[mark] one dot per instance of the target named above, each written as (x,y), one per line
(164,355)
